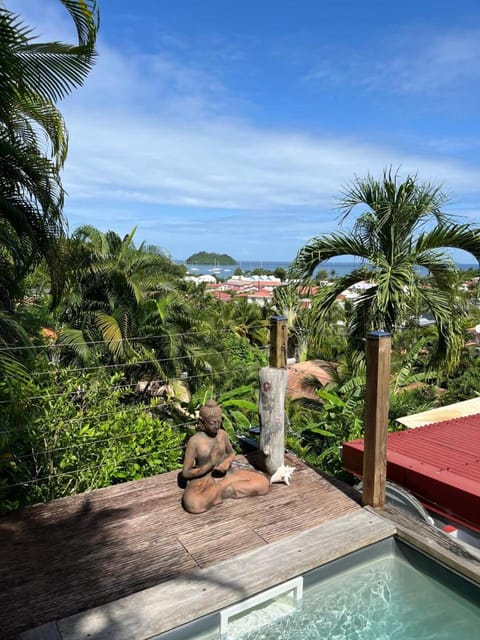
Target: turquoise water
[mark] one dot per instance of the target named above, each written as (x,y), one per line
(396,596)
(386,599)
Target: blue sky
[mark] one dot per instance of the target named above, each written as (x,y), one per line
(231,126)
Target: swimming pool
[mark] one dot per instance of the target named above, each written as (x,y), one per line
(386,592)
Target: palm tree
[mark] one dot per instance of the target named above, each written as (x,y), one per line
(33,140)
(392,239)
(245,319)
(181,333)
(288,302)
(34,76)
(109,281)
(33,147)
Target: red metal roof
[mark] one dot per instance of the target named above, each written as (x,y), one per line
(221,295)
(439,463)
(261,293)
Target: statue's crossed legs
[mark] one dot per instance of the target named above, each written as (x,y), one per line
(203,493)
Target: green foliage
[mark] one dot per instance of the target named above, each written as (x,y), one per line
(412,400)
(33,143)
(288,302)
(259,271)
(246,320)
(319,427)
(82,433)
(341,420)
(321,275)
(113,287)
(391,242)
(243,358)
(279,272)
(239,409)
(465,384)
(327,341)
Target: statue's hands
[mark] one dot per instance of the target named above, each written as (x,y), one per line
(223,467)
(190,472)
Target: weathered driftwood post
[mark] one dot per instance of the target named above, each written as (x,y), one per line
(376,417)
(271,410)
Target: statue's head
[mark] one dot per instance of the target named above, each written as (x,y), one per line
(210,417)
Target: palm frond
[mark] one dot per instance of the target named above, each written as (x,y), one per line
(86,18)
(52,69)
(448,236)
(113,335)
(321,249)
(77,341)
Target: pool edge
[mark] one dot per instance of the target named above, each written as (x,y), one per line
(432,542)
(153,611)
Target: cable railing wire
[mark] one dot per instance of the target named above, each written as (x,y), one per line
(127,410)
(50,477)
(85,443)
(128,364)
(85,419)
(59,345)
(82,469)
(82,392)
(79,444)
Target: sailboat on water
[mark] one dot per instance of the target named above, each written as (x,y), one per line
(216,269)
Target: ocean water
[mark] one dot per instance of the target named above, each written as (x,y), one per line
(226,271)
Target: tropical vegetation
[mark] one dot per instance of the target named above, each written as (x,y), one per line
(34,142)
(400,235)
(107,351)
(205,257)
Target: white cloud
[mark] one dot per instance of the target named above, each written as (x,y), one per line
(442,62)
(225,164)
(154,138)
(416,61)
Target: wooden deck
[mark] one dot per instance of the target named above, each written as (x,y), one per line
(76,553)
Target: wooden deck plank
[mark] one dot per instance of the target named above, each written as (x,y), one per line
(104,574)
(299,522)
(156,610)
(74,553)
(220,542)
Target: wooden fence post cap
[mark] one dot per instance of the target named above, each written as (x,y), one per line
(277,318)
(376,335)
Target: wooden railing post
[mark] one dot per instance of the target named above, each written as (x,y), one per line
(376,418)
(278,342)
(271,409)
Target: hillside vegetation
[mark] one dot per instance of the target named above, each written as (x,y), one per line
(204,257)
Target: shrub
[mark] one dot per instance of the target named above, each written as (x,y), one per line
(85,431)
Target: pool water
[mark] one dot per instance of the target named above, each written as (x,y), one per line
(386,599)
(395,594)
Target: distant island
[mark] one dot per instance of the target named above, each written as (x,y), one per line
(203,257)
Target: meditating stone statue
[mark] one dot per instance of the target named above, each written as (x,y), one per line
(208,466)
